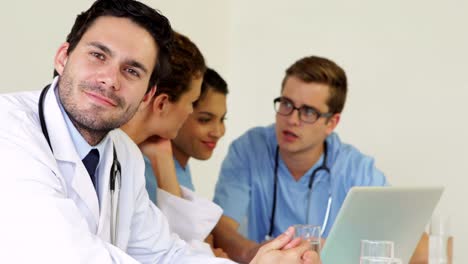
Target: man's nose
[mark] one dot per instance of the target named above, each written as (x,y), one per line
(294,117)
(109,77)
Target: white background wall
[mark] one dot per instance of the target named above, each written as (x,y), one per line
(406,62)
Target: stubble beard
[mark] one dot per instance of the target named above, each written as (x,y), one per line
(91,125)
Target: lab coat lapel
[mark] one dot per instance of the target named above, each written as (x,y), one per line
(104,220)
(67,158)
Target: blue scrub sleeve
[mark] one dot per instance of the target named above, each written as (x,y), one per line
(232,191)
(365,173)
(150,181)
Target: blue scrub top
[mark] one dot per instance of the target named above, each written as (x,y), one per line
(183,176)
(246,180)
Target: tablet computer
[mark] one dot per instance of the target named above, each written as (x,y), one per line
(398,214)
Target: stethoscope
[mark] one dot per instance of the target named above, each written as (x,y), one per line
(323,167)
(115,173)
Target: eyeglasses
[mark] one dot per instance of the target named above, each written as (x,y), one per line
(307,114)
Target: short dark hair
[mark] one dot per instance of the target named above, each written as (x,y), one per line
(156,24)
(212,81)
(186,63)
(324,71)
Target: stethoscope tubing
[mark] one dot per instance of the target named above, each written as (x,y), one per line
(115,178)
(324,167)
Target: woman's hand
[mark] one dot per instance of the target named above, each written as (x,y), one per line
(219,253)
(156,147)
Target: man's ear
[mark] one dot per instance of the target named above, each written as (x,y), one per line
(61,58)
(333,122)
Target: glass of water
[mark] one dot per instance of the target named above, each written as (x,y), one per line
(309,233)
(380,261)
(378,252)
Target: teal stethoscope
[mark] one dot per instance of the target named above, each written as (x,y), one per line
(323,167)
(115,173)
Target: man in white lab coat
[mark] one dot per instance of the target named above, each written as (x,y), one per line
(73,187)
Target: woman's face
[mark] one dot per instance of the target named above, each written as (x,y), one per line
(204,127)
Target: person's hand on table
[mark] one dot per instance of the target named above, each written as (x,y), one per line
(286,249)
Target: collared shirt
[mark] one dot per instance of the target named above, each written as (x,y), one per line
(246,184)
(183,176)
(82,146)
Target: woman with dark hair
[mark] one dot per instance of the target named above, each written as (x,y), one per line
(201,131)
(172,178)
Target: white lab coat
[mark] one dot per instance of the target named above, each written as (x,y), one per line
(201,213)
(49,209)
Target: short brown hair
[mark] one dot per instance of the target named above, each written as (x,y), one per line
(324,71)
(186,63)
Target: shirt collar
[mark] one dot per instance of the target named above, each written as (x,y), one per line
(81,145)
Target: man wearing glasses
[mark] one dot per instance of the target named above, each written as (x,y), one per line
(296,171)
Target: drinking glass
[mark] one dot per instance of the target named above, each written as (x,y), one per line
(377,252)
(377,249)
(371,260)
(309,233)
(440,240)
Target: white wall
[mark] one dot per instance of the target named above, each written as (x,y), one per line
(406,62)
(31,32)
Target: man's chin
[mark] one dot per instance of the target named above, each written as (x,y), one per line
(101,125)
(289,148)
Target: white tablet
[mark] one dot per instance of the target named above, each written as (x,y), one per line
(398,214)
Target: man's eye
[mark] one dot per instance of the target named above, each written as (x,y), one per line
(133,72)
(287,104)
(308,111)
(98,55)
